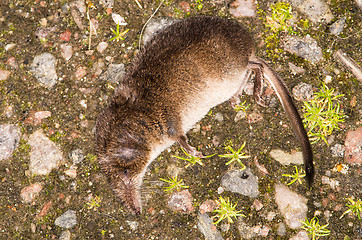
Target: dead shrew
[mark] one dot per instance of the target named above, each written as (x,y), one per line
(185,70)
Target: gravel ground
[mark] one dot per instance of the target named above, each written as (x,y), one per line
(58,68)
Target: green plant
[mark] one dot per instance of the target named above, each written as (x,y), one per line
(235,155)
(313,228)
(191,159)
(354,206)
(241,107)
(174,184)
(94,203)
(276,23)
(118,35)
(226,210)
(296,177)
(322,114)
(199,5)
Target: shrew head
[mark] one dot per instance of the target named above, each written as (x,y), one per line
(123,155)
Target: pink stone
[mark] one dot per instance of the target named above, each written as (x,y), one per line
(185,6)
(242,8)
(45,209)
(181,202)
(4,74)
(36,117)
(66,51)
(81,72)
(65,36)
(29,193)
(257,205)
(208,206)
(353,147)
(261,167)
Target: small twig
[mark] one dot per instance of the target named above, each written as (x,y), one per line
(91,27)
(138,3)
(349,63)
(144,26)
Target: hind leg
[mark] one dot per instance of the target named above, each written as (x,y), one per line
(235,100)
(257,68)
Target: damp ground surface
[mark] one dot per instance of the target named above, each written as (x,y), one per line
(36,27)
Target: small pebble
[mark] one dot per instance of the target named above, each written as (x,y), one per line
(118,19)
(66,51)
(264,231)
(303,92)
(331,182)
(43,68)
(4,74)
(65,36)
(80,72)
(281,229)
(76,156)
(246,231)
(243,182)
(302,235)
(36,118)
(353,147)
(337,150)
(257,205)
(305,47)
(316,10)
(185,6)
(254,117)
(270,216)
(132,224)
(219,117)
(9,140)
(102,46)
(295,69)
(71,173)
(9,46)
(45,155)
(240,115)
(114,73)
(67,220)
(337,27)
(181,202)
(29,193)
(292,206)
(208,206)
(83,103)
(44,210)
(287,158)
(206,227)
(242,8)
(65,235)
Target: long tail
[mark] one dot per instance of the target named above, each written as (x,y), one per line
(292,112)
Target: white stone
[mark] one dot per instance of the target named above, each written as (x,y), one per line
(9,140)
(118,19)
(292,206)
(45,155)
(287,158)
